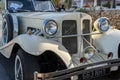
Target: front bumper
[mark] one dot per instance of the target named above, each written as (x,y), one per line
(81,70)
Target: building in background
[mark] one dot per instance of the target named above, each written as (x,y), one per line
(117,4)
(94,3)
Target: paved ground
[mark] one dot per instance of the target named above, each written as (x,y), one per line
(3,74)
(6,68)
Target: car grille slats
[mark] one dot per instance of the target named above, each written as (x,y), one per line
(86,29)
(69,27)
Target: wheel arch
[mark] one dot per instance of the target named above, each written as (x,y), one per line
(15,49)
(64,60)
(51,55)
(36,46)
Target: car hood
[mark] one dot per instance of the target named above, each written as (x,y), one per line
(44,15)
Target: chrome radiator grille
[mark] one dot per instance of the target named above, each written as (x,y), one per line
(69,27)
(86,29)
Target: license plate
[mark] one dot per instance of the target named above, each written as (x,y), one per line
(94,74)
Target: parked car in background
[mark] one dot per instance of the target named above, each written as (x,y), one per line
(118,5)
(46,44)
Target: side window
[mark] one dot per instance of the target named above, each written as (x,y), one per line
(20,5)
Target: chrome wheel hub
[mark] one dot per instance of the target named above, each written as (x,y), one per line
(18,69)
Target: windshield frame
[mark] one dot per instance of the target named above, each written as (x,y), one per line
(33,4)
(52,4)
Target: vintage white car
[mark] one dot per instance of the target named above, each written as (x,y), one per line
(46,44)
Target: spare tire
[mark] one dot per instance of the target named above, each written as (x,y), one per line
(7,29)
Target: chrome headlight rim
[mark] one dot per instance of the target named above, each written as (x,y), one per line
(102,24)
(88,52)
(45,28)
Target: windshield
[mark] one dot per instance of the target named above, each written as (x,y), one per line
(45,5)
(19,5)
(30,5)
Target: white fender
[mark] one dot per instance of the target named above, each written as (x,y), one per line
(36,45)
(108,42)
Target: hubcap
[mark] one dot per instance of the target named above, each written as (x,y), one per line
(18,69)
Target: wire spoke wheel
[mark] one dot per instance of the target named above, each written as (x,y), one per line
(18,69)
(7,29)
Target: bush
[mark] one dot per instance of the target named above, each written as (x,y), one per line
(107,4)
(82,10)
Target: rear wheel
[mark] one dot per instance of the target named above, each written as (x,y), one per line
(7,29)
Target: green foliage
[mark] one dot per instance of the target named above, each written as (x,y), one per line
(56,2)
(2,3)
(107,4)
(68,3)
(82,10)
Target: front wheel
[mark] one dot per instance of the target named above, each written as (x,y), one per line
(25,65)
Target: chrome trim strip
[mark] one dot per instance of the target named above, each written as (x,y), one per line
(78,35)
(15,25)
(64,74)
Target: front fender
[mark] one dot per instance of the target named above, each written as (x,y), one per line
(36,45)
(108,42)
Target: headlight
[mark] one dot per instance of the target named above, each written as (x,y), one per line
(102,24)
(50,27)
(88,52)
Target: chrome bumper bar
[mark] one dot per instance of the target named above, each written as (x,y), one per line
(67,73)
